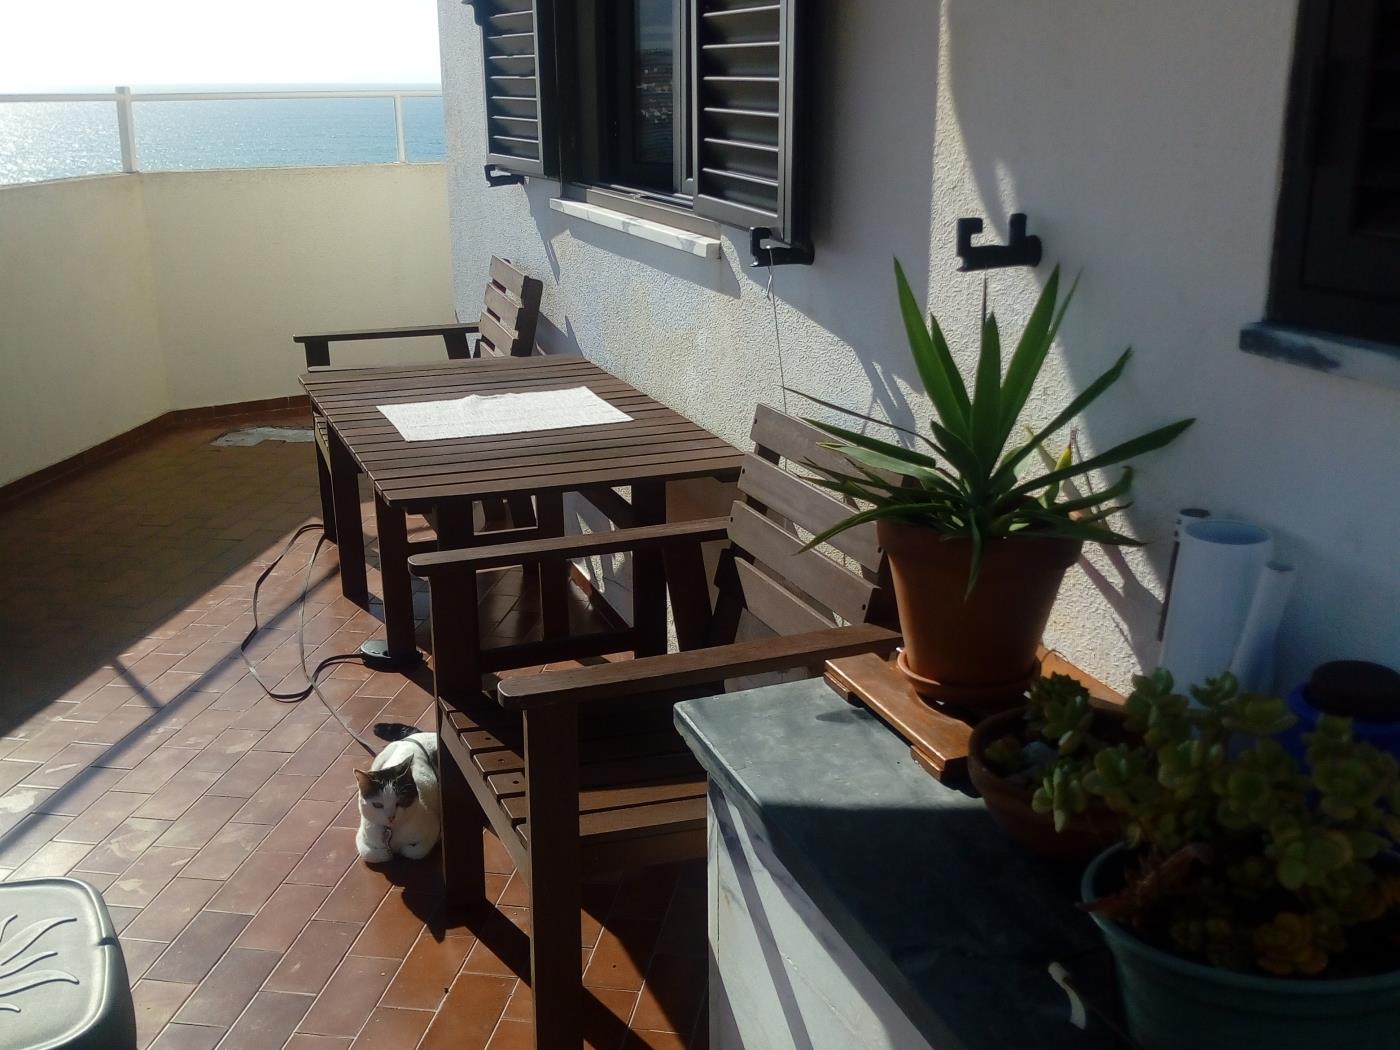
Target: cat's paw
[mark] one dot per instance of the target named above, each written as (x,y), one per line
(373,854)
(416,850)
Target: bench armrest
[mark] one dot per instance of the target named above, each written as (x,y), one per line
(386,333)
(660,674)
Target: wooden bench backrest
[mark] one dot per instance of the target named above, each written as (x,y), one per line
(766,572)
(510,312)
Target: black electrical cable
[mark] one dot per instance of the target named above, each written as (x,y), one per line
(312,683)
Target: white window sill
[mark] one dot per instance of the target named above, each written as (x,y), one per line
(670,236)
(1369,362)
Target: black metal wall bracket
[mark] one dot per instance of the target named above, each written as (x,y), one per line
(1019,250)
(496,177)
(775,252)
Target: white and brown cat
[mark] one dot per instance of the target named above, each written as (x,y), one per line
(400,805)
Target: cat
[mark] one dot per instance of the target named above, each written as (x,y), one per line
(400,805)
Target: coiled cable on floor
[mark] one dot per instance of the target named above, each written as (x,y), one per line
(312,676)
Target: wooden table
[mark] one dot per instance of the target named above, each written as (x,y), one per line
(443,479)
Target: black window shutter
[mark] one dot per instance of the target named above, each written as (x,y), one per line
(517,60)
(748,60)
(1338,257)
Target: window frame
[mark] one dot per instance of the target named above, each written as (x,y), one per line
(1295,296)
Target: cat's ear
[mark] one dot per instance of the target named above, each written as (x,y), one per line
(364,780)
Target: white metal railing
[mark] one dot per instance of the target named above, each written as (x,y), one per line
(124,98)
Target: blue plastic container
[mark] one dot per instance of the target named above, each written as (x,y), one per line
(1172,1003)
(1384,736)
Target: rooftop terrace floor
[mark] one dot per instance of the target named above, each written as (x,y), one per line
(137,753)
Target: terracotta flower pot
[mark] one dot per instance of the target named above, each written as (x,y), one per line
(975,650)
(1084,837)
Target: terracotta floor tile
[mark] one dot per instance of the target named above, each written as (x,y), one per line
(138,954)
(121,916)
(119,850)
(684,931)
(302,825)
(81,791)
(646,894)
(316,755)
(194,952)
(429,969)
(178,794)
(469,1014)
(203,729)
(313,957)
(275,799)
(357,895)
(513,1035)
(349,997)
(327,859)
(155,770)
(50,860)
(156,1002)
(497,859)
(188,1037)
(623,951)
(388,1027)
(201,822)
(253,883)
(395,926)
(99,819)
(280,921)
(226,851)
(503,947)
(221,996)
(302,1041)
(112,729)
(268,1022)
(655,1041)
(671,998)
(172,909)
(605,1014)
(337,783)
(249,773)
(137,885)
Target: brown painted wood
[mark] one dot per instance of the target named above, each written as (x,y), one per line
(798,500)
(938,740)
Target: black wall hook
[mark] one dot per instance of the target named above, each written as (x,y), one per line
(1020,250)
(496,177)
(776,253)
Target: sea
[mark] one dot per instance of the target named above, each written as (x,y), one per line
(56,140)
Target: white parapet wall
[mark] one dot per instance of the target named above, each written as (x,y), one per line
(124,297)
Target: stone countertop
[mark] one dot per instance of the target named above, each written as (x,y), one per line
(950,916)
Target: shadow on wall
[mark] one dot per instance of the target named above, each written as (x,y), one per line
(1143,141)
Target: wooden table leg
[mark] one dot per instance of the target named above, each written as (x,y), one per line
(554,575)
(392,522)
(649,573)
(349,529)
(690,594)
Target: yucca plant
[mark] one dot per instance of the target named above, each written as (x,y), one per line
(966,479)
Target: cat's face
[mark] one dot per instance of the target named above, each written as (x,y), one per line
(383,792)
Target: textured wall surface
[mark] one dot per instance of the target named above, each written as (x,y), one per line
(123,297)
(79,350)
(1143,140)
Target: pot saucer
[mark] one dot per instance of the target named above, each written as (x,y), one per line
(982,699)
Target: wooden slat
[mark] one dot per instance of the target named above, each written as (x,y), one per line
(803,502)
(502,306)
(811,571)
(599,774)
(610,749)
(507,276)
(776,606)
(596,800)
(497,338)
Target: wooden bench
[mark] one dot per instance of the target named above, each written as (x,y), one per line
(509,316)
(582,771)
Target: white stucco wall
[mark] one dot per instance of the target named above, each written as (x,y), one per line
(244,259)
(79,354)
(1143,140)
(124,297)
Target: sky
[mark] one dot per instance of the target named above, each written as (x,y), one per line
(54,45)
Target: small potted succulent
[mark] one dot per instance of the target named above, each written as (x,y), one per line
(977,543)
(1254,901)
(1012,752)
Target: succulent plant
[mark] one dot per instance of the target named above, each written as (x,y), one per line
(1245,858)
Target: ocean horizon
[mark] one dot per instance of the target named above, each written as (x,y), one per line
(55,140)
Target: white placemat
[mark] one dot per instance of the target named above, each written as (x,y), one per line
(478,415)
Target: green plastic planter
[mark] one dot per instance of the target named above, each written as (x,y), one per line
(1172,1003)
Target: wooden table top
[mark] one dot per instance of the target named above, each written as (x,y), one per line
(658,444)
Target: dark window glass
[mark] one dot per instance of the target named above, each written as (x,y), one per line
(654,88)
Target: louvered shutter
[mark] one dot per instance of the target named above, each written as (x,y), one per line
(517,59)
(749,167)
(1339,236)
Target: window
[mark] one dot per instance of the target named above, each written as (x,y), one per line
(690,104)
(1337,247)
